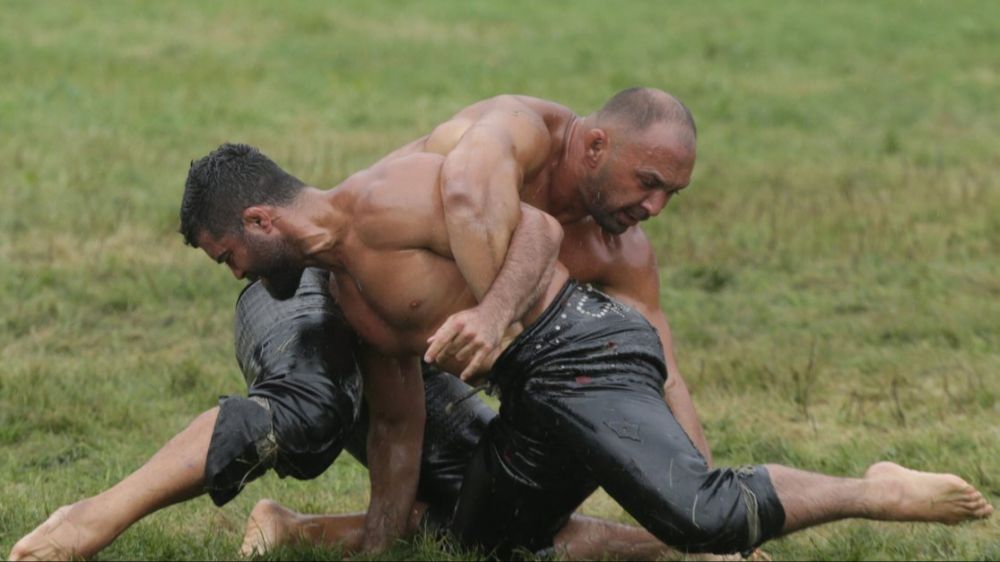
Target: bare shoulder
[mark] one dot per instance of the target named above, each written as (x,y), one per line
(523,117)
(396,199)
(416,164)
(624,263)
(634,249)
(399,182)
(501,103)
(546,109)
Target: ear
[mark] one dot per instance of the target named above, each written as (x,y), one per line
(260,218)
(595,146)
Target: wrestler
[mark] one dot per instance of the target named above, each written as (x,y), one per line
(552,145)
(599,175)
(581,386)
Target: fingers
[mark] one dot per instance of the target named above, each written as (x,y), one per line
(457,342)
(472,369)
(440,340)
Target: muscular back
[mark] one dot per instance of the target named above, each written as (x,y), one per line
(509,112)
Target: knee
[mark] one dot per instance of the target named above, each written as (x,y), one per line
(726,511)
(206,419)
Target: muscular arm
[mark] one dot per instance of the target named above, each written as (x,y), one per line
(528,267)
(395,393)
(638,285)
(472,335)
(480,190)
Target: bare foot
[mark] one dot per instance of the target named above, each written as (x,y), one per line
(268,526)
(65,535)
(909,495)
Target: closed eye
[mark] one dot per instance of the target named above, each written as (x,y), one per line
(651,182)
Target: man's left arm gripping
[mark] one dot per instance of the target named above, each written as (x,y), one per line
(473,336)
(394,389)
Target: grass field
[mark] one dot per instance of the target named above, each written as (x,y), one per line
(831,276)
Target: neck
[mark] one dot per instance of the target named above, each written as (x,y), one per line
(565,202)
(318,225)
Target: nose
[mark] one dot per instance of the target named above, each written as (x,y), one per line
(655,202)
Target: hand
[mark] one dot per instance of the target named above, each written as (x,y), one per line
(470,337)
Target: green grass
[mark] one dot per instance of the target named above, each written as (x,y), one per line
(845,214)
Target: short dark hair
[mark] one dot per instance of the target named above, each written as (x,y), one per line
(638,108)
(222,185)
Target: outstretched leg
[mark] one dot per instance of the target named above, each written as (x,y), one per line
(639,455)
(80,530)
(271,525)
(888,492)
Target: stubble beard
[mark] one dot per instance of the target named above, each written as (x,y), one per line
(594,198)
(278,270)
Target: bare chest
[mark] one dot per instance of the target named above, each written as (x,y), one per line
(394,300)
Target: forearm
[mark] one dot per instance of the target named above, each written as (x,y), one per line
(394,461)
(395,393)
(528,268)
(481,216)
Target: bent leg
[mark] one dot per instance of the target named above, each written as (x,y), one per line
(637,451)
(174,474)
(639,455)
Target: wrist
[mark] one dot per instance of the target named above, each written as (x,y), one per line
(497,313)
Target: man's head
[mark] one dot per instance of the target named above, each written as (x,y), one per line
(231,202)
(639,150)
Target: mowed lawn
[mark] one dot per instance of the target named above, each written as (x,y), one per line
(832,276)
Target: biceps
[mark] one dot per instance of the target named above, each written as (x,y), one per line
(481,177)
(481,205)
(486,169)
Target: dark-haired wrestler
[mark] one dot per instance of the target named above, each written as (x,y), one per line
(301,411)
(581,385)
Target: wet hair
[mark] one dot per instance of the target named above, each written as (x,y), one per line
(222,185)
(638,108)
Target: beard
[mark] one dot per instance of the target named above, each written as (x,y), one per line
(278,270)
(595,200)
(283,285)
